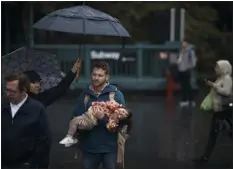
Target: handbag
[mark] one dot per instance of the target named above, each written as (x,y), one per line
(207,103)
(121,148)
(227,101)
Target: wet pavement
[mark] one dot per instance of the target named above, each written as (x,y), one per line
(164,136)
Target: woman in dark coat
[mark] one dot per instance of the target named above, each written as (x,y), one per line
(47,97)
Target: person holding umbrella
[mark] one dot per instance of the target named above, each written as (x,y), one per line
(49,96)
(86,20)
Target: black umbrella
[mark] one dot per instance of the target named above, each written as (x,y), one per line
(82,20)
(44,64)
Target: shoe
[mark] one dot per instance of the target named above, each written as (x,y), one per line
(192,103)
(70,144)
(201,161)
(184,104)
(67,140)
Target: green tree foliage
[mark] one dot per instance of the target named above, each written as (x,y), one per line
(202,31)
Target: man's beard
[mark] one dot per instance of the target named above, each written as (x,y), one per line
(98,84)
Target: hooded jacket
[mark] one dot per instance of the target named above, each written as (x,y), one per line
(98,139)
(223,85)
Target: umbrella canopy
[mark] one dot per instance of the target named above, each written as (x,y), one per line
(23,59)
(82,20)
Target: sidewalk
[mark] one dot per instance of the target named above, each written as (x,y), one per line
(158,140)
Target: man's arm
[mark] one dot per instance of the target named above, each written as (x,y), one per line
(119,97)
(42,140)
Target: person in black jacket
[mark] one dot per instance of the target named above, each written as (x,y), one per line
(25,131)
(47,97)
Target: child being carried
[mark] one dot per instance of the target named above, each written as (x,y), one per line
(114,111)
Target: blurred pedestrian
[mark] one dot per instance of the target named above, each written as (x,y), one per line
(221,92)
(186,62)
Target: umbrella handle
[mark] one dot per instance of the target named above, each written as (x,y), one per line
(76,77)
(78,71)
(80,53)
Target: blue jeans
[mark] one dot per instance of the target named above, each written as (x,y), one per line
(93,161)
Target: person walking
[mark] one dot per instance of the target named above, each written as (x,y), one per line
(25,130)
(186,62)
(221,92)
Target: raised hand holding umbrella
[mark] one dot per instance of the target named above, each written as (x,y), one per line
(76,68)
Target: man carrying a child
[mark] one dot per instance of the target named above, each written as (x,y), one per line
(98,145)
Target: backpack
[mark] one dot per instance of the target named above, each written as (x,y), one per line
(190,55)
(111,97)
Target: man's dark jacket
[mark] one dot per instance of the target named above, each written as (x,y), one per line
(26,137)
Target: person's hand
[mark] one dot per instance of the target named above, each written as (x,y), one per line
(77,66)
(209,83)
(99,115)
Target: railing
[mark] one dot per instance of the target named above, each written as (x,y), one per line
(135,66)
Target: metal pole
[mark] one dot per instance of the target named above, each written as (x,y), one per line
(232,16)
(7,29)
(182,23)
(31,20)
(172,24)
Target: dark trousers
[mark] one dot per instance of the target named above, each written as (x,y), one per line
(21,166)
(44,163)
(93,161)
(45,158)
(185,86)
(214,131)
